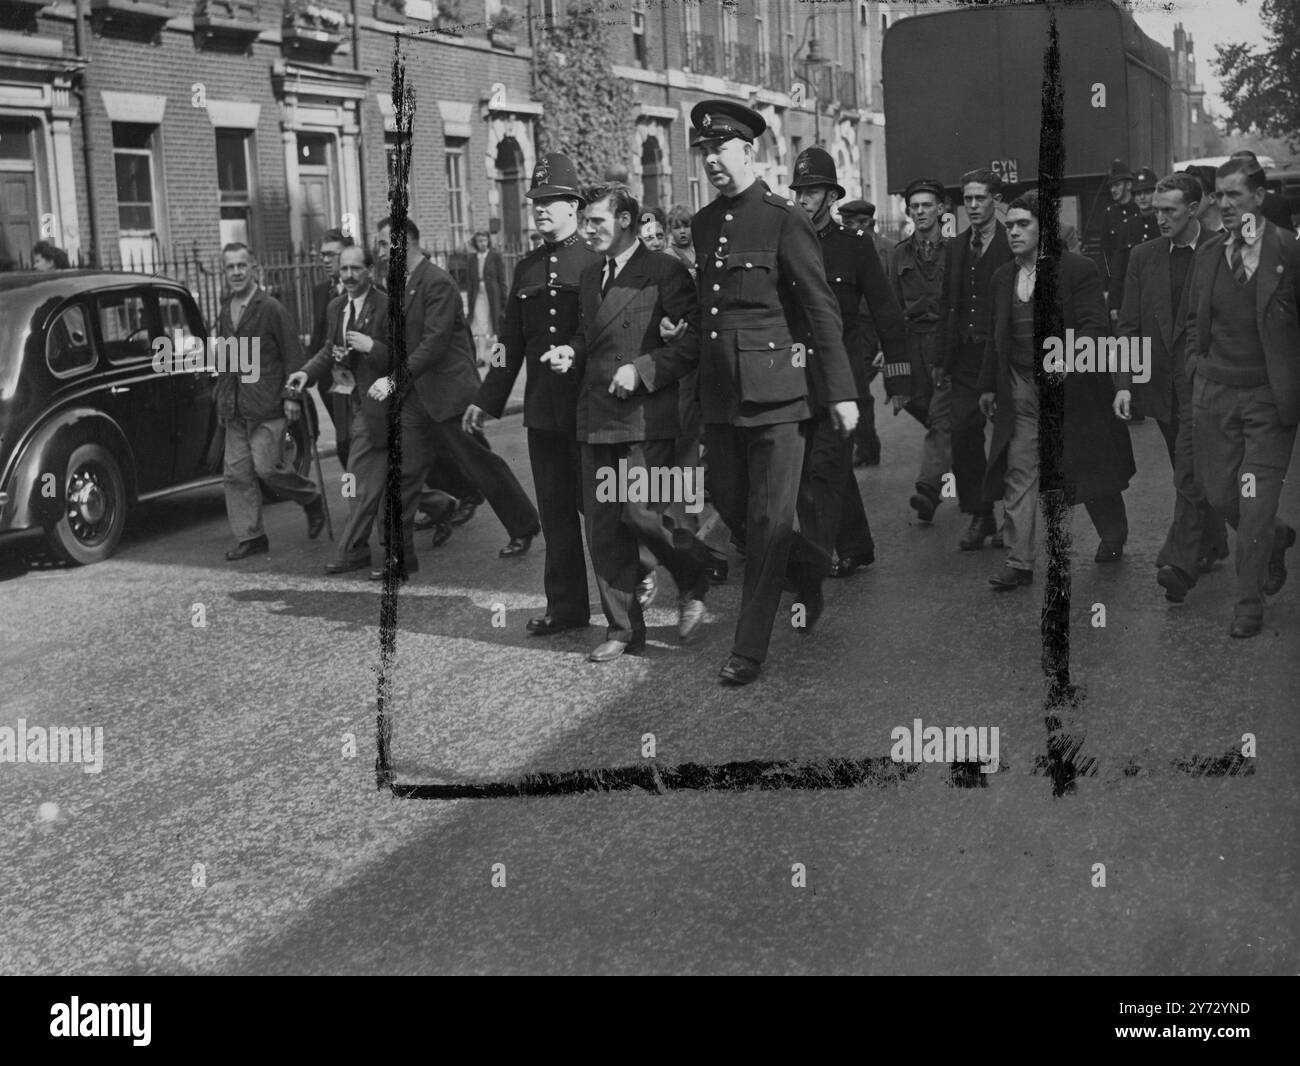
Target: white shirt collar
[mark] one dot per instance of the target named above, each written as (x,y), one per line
(620,260)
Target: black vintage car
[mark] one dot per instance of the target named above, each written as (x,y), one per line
(88,427)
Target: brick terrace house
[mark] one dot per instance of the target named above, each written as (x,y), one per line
(131,128)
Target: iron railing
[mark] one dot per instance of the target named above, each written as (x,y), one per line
(290,276)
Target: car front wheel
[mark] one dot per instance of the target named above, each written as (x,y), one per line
(94,510)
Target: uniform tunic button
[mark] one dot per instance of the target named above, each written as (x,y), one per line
(728,218)
(716,288)
(552,310)
(749,266)
(555,259)
(713,335)
(839,279)
(722,240)
(713,310)
(771,344)
(552,329)
(718,264)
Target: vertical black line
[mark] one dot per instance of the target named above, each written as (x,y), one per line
(394,554)
(1048,322)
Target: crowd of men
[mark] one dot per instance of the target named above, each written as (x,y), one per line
(745,338)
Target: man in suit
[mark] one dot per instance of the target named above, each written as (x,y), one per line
(627,417)
(331,247)
(761,277)
(487,294)
(1096,460)
(254,409)
(352,357)
(443,380)
(1243,354)
(831,512)
(542,308)
(1275,207)
(1155,310)
(973,257)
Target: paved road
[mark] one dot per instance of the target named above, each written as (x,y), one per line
(232,829)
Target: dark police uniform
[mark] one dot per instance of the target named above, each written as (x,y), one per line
(760,276)
(541,312)
(830,508)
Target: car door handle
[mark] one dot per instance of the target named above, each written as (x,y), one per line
(119,388)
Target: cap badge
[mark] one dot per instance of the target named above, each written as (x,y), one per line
(707,121)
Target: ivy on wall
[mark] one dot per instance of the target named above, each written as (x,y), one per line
(589,114)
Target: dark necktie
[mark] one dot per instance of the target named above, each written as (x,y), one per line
(976,244)
(348,317)
(1180,261)
(609,277)
(1238,260)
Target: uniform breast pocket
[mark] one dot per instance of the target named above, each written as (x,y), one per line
(767,367)
(753,277)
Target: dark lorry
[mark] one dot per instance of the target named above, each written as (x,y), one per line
(963,89)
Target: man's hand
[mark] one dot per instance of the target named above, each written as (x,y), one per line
(844,416)
(560,358)
(879,361)
(381,389)
(359,341)
(900,402)
(989,404)
(1122,405)
(292,410)
(297,381)
(669,332)
(338,352)
(625,381)
(472,422)
(938,378)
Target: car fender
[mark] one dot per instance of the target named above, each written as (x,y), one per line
(47,450)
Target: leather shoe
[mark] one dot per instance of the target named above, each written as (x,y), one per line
(435,506)
(315,517)
(1211,556)
(612,649)
(1108,553)
(1245,627)
(646,589)
(411,568)
(441,534)
(548,624)
(256,546)
(1283,538)
(981,526)
(345,566)
(464,511)
(924,505)
(739,670)
(690,616)
(1009,578)
(517,546)
(852,564)
(1176,586)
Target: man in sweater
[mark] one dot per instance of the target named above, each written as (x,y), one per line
(1243,354)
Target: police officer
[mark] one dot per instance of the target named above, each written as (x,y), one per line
(1145,226)
(541,310)
(760,277)
(861,215)
(831,513)
(1117,223)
